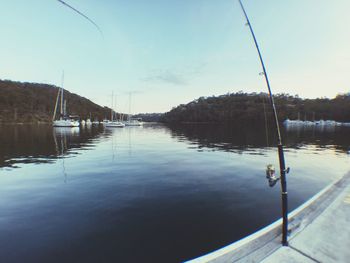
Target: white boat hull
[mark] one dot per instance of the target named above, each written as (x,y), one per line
(115,124)
(65,123)
(66,130)
(134,123)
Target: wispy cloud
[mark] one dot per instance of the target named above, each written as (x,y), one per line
(131,92)
(167,76)
(176,77)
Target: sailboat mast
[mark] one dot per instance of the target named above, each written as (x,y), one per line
(61,108)
(55,110)
(129,116)
(65,108)
(115,106)
(112,108)
(283,170)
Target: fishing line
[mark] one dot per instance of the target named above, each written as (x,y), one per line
(83,15)
(266,124)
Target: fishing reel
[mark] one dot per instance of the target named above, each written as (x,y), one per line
(271,175)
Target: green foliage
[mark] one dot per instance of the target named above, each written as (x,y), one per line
(149,117)
(246,108)
(33,102)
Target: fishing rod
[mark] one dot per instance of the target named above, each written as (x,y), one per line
(283,170)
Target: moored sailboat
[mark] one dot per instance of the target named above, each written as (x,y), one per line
(132,121)
(113,123)
(64,120)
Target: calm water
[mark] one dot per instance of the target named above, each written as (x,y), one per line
(152,193)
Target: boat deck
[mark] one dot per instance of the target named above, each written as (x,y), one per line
(325,239)
(319,232)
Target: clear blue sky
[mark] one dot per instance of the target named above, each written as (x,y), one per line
(171,52)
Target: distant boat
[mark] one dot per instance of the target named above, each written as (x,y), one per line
(95,122)
(319,123)
(88,122)
(65,123)
(64,119)
(113,123)
(132,121)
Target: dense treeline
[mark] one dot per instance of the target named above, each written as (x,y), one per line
(33,102)
(247,108)
(149,117)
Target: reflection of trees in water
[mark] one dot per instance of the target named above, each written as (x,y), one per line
(322,137)
(42,143)
(238,138)
(223,137)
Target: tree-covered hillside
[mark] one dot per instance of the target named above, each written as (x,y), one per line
(149,117)
(33,102)
(243,107)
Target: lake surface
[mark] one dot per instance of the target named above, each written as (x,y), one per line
(152,193)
